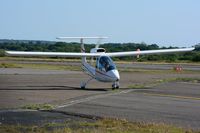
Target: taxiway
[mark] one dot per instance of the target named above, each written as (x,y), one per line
(176,103)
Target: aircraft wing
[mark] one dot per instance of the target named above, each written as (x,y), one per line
(50,54)
(148,52)
(114,54)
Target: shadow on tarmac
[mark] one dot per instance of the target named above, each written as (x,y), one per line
(53,88)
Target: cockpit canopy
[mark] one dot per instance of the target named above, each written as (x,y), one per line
(105,63)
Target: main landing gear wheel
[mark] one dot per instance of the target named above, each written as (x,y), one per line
(82,87)
(83,84)
(115,85)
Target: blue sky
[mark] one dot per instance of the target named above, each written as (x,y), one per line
(169,22)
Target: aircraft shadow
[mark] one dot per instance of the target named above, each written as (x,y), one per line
(53,88)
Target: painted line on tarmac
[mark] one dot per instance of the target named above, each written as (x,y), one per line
(93,98)
(172,96)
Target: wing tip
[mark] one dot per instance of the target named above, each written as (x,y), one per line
(7,52)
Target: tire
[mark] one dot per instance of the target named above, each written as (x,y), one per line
(82,87)
(113,87)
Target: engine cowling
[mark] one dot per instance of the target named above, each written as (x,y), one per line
(97,50)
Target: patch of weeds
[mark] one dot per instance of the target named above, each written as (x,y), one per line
(20,98)
(193,80)
(160,81)
(39,106)
(138,86)
(49,67)
(99,126)
(136,70)
(149,71)
(8,65)
(31,129)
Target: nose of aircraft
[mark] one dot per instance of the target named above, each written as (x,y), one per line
(115,74)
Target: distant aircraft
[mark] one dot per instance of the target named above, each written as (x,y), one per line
(104,70)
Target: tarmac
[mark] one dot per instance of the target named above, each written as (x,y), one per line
(176,103)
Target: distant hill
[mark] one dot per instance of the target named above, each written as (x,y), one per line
(46,46)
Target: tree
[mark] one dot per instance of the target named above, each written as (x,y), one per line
(2,53)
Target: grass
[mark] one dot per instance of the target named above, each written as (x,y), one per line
(38,59)
(50,67)
(40,66)
(138,86)
(137,70)
(78,60)
(149,71)
(158,62)
(193,80)
(75,68)
(99,126)
(157,82)
(78,68)
(8,65)
(44,106)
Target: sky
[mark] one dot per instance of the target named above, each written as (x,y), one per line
(162,22)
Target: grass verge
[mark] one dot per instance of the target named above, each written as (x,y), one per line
(38,59)
(44,106)
(99,126)
(157,82)
(78,68)
(78,60)
(149,71)
(50,67)
(41,66)
(9,65)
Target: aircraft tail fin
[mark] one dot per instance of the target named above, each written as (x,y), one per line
(82,44)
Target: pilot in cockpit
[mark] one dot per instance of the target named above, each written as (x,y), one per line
(104,64)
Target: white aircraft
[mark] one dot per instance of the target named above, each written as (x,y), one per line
(104,70)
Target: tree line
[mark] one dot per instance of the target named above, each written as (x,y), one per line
(110,47)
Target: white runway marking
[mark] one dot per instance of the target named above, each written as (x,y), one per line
(92,98)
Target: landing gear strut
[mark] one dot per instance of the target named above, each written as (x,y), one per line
(83,84)
(115,85)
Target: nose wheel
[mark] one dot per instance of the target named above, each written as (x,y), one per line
(115,85)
